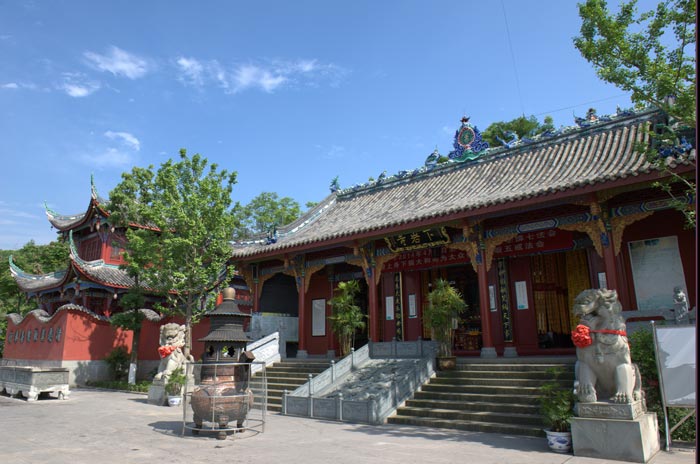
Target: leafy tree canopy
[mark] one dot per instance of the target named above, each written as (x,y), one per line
(33,258)
(185,212)
(649,54)
(264,213)
(652,55)
(522,126)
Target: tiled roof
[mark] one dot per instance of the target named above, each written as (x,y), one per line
(226,333)
(32,282)
(98,271)
(587,156)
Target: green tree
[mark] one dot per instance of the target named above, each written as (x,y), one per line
(264,213)
(651,55)
(181,247)
(33,258)
(131,319)
(522,126)
(347,316)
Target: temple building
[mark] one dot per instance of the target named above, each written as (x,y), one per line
(70,327)
(519,230)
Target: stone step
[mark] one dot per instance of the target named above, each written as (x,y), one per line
(493,382)
(286,375)
(485,397)
(496,367)
(532,375)
(279,381)
(289,374)
(473,426)
(490,406)
(481,389)
(534,420)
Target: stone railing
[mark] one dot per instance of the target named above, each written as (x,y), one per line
(308,400)
(266,350)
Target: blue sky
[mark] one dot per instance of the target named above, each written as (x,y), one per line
(287,93)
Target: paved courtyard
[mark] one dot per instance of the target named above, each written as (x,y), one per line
(110,427)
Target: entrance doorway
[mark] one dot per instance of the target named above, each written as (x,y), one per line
(465,280)
(556,279)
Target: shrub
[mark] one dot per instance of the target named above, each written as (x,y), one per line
(118,361)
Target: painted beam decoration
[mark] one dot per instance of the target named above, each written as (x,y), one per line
(425,259)
(542,241)
(418,239)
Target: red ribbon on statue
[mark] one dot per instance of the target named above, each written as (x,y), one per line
(581,336)
(165,350)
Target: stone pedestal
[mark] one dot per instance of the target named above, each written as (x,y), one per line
(156,394)
(634,440)
(510,352)
(488,352)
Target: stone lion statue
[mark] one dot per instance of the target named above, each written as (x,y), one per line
(604,367)
(172,339)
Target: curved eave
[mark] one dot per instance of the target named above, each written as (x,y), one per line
(31,283)
(65,222)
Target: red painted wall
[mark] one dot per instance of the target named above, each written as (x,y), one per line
(85,338)
(39,350)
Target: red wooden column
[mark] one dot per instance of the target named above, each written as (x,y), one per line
(373,309)
(606,239)
(301,351)
(487,348)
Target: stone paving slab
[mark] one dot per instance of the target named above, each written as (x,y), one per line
(110,427)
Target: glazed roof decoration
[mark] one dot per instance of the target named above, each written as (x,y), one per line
(598,149)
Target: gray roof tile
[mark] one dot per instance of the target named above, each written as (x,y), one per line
(579,158)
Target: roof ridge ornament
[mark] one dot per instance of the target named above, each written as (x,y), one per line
(468,143)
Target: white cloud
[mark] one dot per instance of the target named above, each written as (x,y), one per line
(77,85)
(191,71)
(119,63)
(128,139)
(249,75)
(111,157)
(267,77)
(18,85)
(78,91)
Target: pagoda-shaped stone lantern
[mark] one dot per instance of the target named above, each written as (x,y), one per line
(223,394)
(226,340)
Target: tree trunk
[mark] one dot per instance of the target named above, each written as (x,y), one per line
(133,361)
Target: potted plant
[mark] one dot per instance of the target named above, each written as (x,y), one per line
(445,304)
(557,407)
(174,387)
(347,316)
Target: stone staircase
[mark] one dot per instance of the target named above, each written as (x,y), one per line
(498,397)
(286,375)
